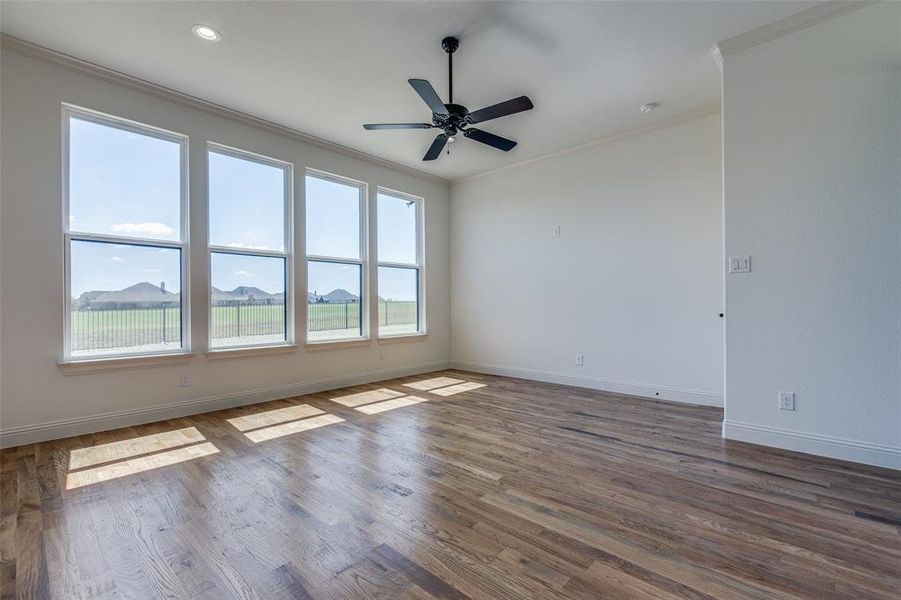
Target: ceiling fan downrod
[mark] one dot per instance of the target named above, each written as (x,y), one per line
(450,45)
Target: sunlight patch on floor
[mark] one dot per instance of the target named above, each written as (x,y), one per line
(147,444)
(431,384)
(353,400)
(269,433)
(371,409)
(138,465)
(274,417)
(456,389)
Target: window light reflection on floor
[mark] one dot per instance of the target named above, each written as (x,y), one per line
(431,384)
(268,433)
(274,417)
(456,389)
(353,400)
(270,424)
(146,444)
(139,464)
(371,409)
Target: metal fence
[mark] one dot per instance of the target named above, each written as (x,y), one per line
(246,319)
(100,329)
(106,328)
(398,313)
(326,316)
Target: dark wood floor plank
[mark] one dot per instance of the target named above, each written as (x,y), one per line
(512,490)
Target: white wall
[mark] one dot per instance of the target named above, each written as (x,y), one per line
(36,400)
(812,146)
(633,282)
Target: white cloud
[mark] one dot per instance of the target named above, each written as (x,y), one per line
(151,228)
(151,270)
(244,273)
(245,246)
(117,259)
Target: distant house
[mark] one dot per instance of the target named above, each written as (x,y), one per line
(139,295)
(245,295)
(340,296)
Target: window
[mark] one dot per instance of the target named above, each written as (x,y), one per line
(124,194)
(250,240)
(335,216)
(400,263)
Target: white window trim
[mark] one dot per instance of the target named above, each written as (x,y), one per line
(288,254)
(183,244)
(419,265)
(363,261)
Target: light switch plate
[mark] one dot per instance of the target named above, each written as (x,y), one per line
(740,264)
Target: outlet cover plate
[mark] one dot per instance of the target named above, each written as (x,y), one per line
(786,401)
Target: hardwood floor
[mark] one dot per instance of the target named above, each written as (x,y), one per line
(514,489)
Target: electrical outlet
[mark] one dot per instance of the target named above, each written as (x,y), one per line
(556,231)
(580,360)
(184,380)
(786,401)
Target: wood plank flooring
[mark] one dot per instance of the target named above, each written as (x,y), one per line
(515,489)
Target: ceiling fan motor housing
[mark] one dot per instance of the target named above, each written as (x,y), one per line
(453,121)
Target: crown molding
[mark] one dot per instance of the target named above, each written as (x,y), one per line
(802,20)
(10,43)
(691,115)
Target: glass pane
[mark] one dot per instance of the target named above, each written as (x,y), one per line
(398,300)
(125,299)
(123,183)
(397,229)
(333,301)
(333,218)
(247,203)
(247,300)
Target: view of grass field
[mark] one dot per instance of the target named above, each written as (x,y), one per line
(108,330)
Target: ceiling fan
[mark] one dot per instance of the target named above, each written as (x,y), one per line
(454,118)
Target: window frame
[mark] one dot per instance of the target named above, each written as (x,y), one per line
(69,111)
(419,266)
(287,255)
(363,261)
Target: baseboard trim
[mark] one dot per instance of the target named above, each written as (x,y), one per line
(877,455)
(53,430)
(645,390)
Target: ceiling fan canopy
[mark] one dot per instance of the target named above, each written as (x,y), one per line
(455,118)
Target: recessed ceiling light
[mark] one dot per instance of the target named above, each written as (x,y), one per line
(648,107)
(207,33)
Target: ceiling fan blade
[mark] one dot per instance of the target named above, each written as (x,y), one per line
(495,141)
(429,96)
(503,109)
(376,126)
(436,147)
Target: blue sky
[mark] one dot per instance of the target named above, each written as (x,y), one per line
(128,184)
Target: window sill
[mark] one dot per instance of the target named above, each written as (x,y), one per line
(403,337)
(337,344)
(249,351)
(99,365)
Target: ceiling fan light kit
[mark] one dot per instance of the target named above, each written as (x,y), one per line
(455,118)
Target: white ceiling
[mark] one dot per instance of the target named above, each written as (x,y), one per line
(325,68)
